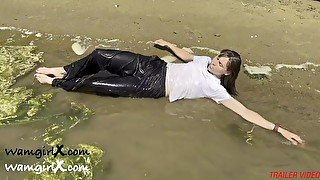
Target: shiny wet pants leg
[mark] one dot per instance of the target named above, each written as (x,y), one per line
(105,72)
(115,73)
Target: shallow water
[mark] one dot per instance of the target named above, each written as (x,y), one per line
(188,139)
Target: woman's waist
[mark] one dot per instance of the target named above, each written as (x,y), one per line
(167,80)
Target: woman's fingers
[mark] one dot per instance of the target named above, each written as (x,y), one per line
(294,142)
(294,139)
(290,138)
(298,139)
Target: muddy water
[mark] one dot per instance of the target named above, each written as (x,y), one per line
(189,139)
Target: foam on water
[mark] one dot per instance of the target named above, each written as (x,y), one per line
(82,42)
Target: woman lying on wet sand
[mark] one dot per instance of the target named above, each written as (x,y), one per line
(127,74)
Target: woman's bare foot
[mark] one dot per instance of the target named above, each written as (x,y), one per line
(58,72)
(43,79)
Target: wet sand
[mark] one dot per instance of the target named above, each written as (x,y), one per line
(155,139)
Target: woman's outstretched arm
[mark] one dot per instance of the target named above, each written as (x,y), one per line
(255,118)
(182,54)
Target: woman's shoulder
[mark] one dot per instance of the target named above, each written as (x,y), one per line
(203,61)
(214,83)
(201,58)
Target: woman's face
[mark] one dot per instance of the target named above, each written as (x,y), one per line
(218,66)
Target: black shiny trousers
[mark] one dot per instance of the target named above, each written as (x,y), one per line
(116,73)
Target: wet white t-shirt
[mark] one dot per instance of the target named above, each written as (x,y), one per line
(192,80)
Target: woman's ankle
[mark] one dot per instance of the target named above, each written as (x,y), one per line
(61,70)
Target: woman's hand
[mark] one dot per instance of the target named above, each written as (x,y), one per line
(293,138)
(255,118)
(182,54)
(163,43)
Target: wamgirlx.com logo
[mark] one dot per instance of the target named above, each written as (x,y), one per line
(55,166)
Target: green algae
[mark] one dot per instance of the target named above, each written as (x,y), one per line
(20,105)
(17,105)
(54,136)
(77,113)
(249,136)
(38,103)
(10,100)
(16,61)
(91,161)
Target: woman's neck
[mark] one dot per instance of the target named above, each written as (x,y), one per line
(217,76)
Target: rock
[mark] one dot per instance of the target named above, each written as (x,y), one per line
(213,51)
(303,66)
(169,59)
(188,50)
(78,49)
(257,72)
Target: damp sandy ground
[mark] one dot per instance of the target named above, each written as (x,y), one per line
(188,139)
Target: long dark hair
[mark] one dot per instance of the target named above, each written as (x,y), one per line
(233,66)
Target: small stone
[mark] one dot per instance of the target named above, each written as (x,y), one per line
(189,50)
(169,59)
(257,72)
(78,49)
(38,35)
